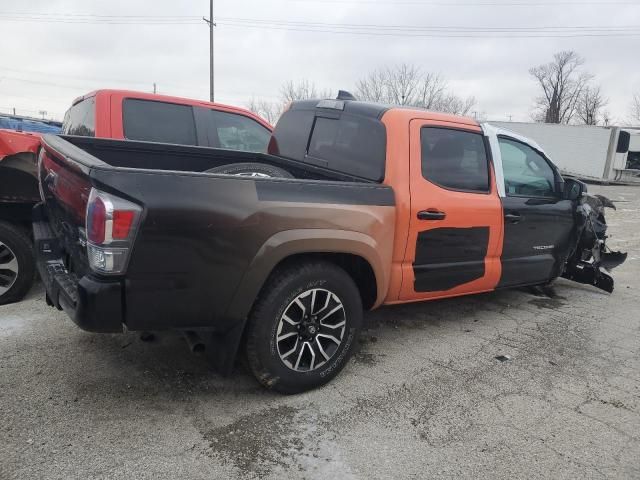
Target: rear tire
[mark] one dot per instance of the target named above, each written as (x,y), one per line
(17,265)
(251,169)
(324,339)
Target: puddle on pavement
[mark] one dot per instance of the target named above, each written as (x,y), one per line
(11,325)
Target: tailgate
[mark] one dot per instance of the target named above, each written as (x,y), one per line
(60,239)
(64,188)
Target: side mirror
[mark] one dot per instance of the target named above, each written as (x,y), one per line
(573,189)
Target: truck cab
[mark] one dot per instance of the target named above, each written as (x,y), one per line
(478,208)
(129,115)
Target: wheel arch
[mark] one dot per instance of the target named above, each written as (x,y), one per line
(18,177)
(355,252)
(19,187)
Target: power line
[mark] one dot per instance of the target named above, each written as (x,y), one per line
(436,34)
(423,27)
(442,31)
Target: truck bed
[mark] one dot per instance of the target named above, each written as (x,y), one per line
(206,242)
(181,158)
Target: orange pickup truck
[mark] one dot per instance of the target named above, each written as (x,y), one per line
(356,205)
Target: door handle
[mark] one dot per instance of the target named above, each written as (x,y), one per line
(431,214)
(513,217)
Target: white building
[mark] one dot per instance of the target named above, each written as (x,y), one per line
(586,151)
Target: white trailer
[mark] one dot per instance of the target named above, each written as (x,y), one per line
(585,151)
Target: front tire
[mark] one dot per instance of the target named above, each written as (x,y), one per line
(303,328)
(17,265)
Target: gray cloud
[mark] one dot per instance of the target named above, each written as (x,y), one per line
(49,64)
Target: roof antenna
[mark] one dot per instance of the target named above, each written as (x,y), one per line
(344,95)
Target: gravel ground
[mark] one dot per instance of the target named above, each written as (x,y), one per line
(424,397)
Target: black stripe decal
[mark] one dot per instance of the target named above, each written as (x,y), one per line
(449,257)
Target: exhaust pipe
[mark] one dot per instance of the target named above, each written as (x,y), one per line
(195,343)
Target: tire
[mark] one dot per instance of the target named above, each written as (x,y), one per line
(268,340)
(251,169)
(17,265)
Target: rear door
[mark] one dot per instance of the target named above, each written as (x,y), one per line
(537,222)
(456,216)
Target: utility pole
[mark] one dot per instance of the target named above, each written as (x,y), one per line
(211,24)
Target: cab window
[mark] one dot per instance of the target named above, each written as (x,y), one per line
(237,132)
(163,122)
(454,159)
(526,172)
(80,119)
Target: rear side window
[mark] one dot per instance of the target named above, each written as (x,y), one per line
(291,134)
(350,144)
(80,119)
(237,132)
(454,159)
(163,122)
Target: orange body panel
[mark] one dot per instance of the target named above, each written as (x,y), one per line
(414,193)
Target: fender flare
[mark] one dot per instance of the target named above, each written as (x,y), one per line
(18,175)
(287,243)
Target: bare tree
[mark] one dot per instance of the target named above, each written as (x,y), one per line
(402,84)
(373,87)
(289,92)
(562,83)
(590,105)
(301,90)
(432,90)
(407,85)
(270,111)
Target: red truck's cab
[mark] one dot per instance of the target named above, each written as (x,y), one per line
(128,115)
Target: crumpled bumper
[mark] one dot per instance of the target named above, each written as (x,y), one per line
(591,260)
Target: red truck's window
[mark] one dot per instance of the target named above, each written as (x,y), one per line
(237,132)
(80,119)
(153,121)
(454,159)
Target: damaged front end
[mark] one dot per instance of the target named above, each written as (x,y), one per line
(591,260)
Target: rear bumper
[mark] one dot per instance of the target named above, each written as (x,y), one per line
(94,305)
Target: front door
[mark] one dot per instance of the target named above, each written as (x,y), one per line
(537,221)
(456,225)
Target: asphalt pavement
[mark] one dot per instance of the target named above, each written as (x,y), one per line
(424,396)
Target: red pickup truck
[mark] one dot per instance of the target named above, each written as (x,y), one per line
(368,205)
(112,114)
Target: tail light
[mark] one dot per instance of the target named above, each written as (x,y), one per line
(111,227)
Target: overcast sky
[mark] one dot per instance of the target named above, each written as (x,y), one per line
(45,64)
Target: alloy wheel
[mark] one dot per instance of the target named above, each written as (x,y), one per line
(311,330)
(8,268)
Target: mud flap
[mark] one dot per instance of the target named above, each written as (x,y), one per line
(222,348)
